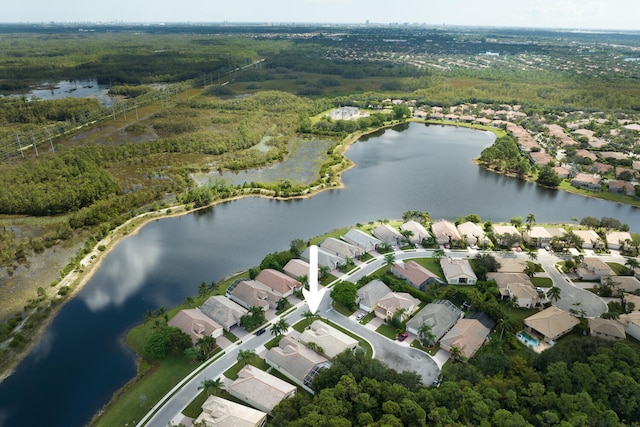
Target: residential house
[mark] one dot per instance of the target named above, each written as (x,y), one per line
(626,283)
(251,293)
(593,269)
(387,234)
(297,362)
(223,311)
(501,233)
(550,323)
(393,301)
(259,389)
(562,171)
(196,324)
(297,268)
(219,412)
(440,315)
(601,168)
(540,158)
(473,233)
(451,117)
(587,181)
(607,329)
(445,232)
(617,239)
(331,340)
(361,239)
(537,236)
(516,286)
(436,116)
(458,271)
(585,154)
(325,258)
(557,232)
(467,335)
(504,279)
(618,186)
(558,133)
(419,233)
(413,273)
(279,282)
(590,239)
(631,322)
(368,296)
(341,248)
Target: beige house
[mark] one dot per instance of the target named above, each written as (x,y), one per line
(341,248)
(387,234)
(550,323)
(297,268)
(590,239)
(297,362)
(325,258)
(331,340)
(196,324)
(251,293)
(617,239)
(593,269)
(472,233)
(368,296)
(419,232)
(525,295)
(361,239)
(279,282)
(607,329)
(445,232)
(259,389)
(537,236)
(587,181)
(219,412)
(499,231)
(393,301)
(458,271)
(413,273)
(224,311)
(627,283)
(631,323)
(467,335)
(503,280)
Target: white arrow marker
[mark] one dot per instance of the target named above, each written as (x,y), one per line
(313,296)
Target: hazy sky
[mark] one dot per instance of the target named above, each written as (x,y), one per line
(588,14)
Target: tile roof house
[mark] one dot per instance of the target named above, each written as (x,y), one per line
(413,273)
(367,296)
(440,315)
(540,157)
(393,301)
(341,248)
(550,323)
(279,282)
(325,258)
(467,335)
(224,311)
(587,181)
(626,283)
(251,293)
(387,234)
(618,186)
(297,362)
(503,280)
(419,232)
(631,322)
(458,271)
(525,295)
(331,340)
(607,329)
(473,233)
(259,389)
(196,324)
(502,230)
(445,232)
(360,238)
(219,412)
(593,269)
(590,239)
(617,239)
(297,268)
(538,236)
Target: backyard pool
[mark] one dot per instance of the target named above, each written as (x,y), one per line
(527,340)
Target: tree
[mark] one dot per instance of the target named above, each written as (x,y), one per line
(188,301)
(282,304)
(426,335)
(206,344)
(554,293)
(211,386)
(532,254)
(438,253)
(246,356)
(280,327)
(193,354)
(456,354)
(516,221)
(323,271)
(407,234)
(202,289)
(548,177)
(389,259)
(632,263)
(345,293)
(531,219)
(310,317)
(401,111)
(297,246)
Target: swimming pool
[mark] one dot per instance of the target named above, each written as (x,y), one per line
(527,339)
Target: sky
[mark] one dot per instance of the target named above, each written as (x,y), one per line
(567,14)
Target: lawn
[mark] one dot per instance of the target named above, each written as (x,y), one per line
(542,282)
(619,269)
(387,331)
(232,372)
(431,264)
(342,309)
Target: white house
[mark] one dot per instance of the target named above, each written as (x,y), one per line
(458,271)
(418,231)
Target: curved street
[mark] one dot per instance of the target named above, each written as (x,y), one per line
(396,355)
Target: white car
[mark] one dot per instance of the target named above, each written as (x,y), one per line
(359,317)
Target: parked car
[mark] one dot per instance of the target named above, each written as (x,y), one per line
(359,317)
(403,336)
(260,331)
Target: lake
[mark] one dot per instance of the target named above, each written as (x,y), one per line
(82,360)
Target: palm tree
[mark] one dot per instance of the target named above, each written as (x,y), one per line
(211,386)
(632,263)
(389,259)
(206,344)
(438,253)
(531,219)
(533,255)
(554,293)
(310,316)
(202,289)
(148,315)
(246,356)
(280,327)
(323,271)
(425,335)
(407,234)
(456,354)
(304,280)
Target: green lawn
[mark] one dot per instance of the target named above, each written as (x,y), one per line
(542,282)
(232,372)
(431,264)
(342,309)
(387,331)
(620,269)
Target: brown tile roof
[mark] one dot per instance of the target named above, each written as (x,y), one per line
(467,335)
(278,281)
(551,322)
